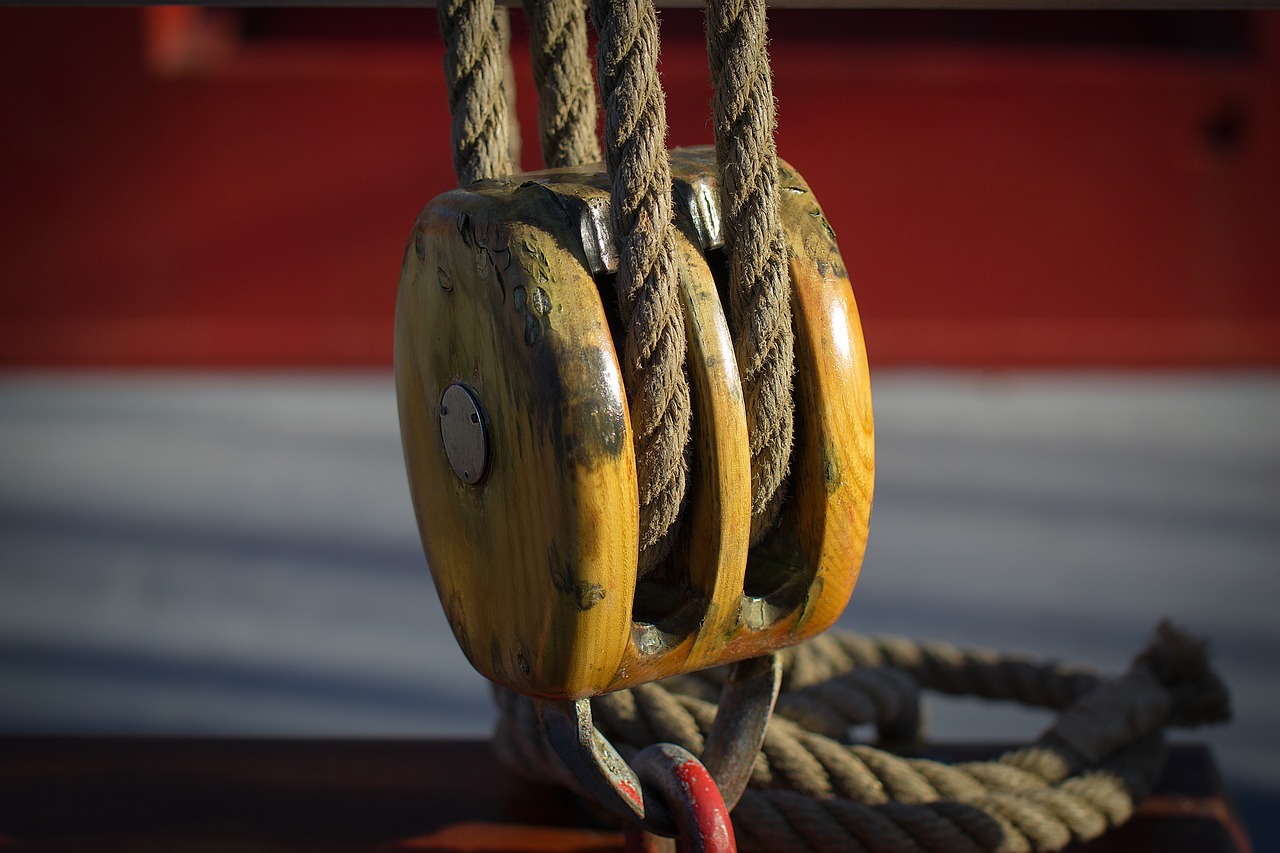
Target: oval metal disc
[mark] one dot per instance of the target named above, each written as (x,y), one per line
(462,429)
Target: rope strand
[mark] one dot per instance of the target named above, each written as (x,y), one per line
(759,280)
(475,72)
(502,19)
(653,362)
(562,74)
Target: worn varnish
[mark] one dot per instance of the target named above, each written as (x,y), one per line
(506,289)
(496,294)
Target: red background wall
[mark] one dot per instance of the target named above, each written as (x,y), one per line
(1023,189)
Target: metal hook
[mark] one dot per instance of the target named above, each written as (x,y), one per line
(746,703)
(689,791)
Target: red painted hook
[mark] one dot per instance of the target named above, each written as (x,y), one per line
(691,795)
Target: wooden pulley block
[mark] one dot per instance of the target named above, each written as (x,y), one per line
(520,455)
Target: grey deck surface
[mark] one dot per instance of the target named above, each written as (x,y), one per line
(236,553)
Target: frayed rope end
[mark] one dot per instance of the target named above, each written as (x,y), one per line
(1180,660)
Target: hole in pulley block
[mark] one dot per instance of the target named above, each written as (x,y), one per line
(666,609)
(776,578)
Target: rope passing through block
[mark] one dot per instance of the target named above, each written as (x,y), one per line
(519,438)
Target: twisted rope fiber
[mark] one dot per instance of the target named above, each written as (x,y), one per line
(635,130)
(760,284)
(475,72)
(811,791)
(562,74)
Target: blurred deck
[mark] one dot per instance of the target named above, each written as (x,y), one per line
(196,795)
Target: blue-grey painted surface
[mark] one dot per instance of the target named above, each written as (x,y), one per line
(236,554)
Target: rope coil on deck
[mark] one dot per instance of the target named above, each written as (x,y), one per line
(813,790)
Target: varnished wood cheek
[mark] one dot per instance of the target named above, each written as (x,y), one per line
(833,403)
(536,566)
(531,564)
(823,529)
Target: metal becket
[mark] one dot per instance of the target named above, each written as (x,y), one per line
(666,794)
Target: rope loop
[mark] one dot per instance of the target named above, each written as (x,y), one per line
(812,791)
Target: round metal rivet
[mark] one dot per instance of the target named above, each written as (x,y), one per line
(462,429)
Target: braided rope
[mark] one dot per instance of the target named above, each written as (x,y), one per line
(811,791)
(653,363)
(475,72)
(759,279)
(562,74)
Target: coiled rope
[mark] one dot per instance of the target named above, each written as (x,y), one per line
(811,789)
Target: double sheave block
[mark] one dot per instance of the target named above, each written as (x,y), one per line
(520,453)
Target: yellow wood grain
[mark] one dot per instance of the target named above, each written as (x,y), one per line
(800,576)
(833,465)
(536,565)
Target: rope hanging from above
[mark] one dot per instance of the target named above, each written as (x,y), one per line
(759,280)
(562,76)
(481,100)
(635,157)
(640,206)
(812,790)
(635,130)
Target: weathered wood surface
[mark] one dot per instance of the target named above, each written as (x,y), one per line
(529,563)
(505,289)
(338,795)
